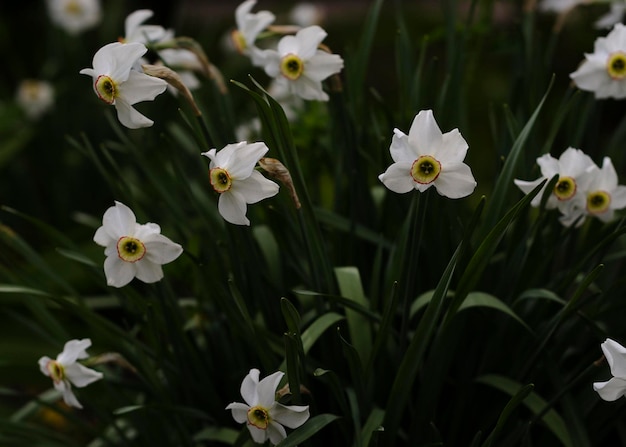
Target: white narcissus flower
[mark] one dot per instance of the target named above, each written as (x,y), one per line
(426,157)
(249,26)
(117,84)
(35,97)
(301,65)
(65,371)
(603,72)
(135,31)
(573,168)
(75,16)
(264,416)
(133,250)
(615,355)
(615,15)
(232,175)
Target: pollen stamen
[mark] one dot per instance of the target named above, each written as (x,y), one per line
(425,169)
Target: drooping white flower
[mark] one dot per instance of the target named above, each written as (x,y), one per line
(603,72)
(65,371)
(35,97)
(117,84)
(301,65)
(75,16)
(615,15)
(573,168)
(249,26)
(261,413)
(232,175)
(426,157)
(601,196)
(136,31)
(615,387)
(133,250)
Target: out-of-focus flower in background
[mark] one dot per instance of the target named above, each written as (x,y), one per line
(306,14)
(75,16)
(35,97)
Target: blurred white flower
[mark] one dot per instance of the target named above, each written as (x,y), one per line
(136,31)
(603,72)
(558,6)
(232,175)
(615,387)
(261,413)
(184,62)
(133,250)
(573,168)
(615,15)
(65,371)
(426,158)
(300,63)
(116,83)
(249,26)
(306,14)
(35,97)
(75,16)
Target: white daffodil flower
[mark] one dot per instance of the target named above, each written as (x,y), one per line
(117,84)
(135,31)
(426,157)
(574,170)
(615,387)
(249,26)
(264,416)
(75,16)
(615,15)
(603,72)
(301,65)
(232,175)
(65,371)
(133,250)
(601,196)
(35,97)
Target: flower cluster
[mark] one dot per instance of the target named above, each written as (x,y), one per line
(582,189)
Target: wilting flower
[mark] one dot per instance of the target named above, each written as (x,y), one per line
(264,416)
(116,83)
(75,16)
(615,387)
(249,26)
(35,97)
(133,250)
(604,71)
(573,168)
(426,158)
(65,371)
(601,196)
(232,175)
(301,65)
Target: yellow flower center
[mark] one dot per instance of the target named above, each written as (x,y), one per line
(220,180)
(598,202)
(425,169)
(238,40)
(565,188)
(291,66)
(73,8)
(259,417)
(130,249)
(616,66)
(56,370)
(106,89)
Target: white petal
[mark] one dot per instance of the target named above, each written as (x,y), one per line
(81,376)
(276,432)
(254,24)
(242,163)
(611,390)
(232,207)
(130,117)
(527,187)
(148,272)
(239,411)
(103,238)
(259,436)
(398,178)
(248,387)
(118,221)
(242,11)
(271,62)
(322,65)
(400,148)
(290,416)
(74,350)
(309,39)
(548,165)
(309,89)
(118,272)
(116,59)
(618,198)
(227,157)
(574,162)
(453,148)
(134,19)
(288,45)
(616,357)
(68,394)
(43,361)
(160,249)
(424,134)
(455,181)
(255,188)
(590,76)
(140,87)
(266,389)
